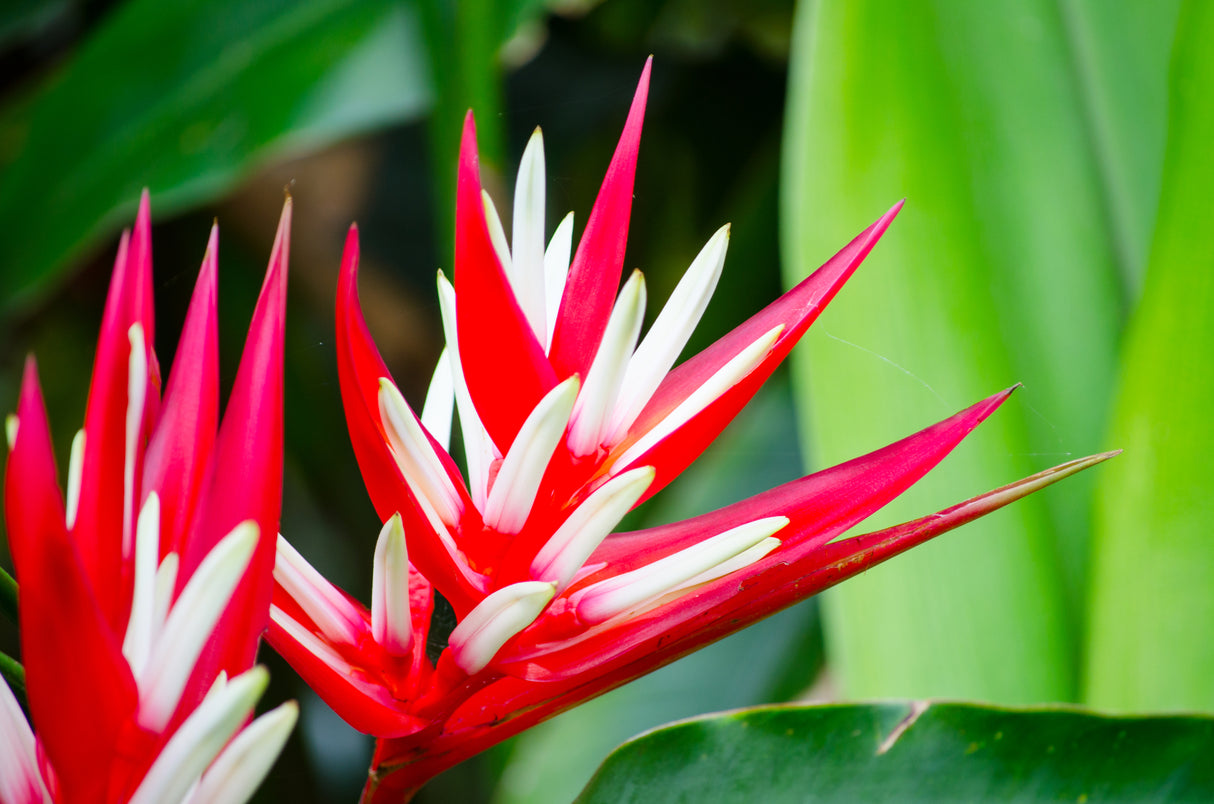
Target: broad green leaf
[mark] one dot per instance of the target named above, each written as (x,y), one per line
(1153,602)
(185,98)
(1121,54)
(1003,267)
(912,752)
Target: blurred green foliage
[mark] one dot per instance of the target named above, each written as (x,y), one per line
(1152,602)
(1029,139)
(1046,209)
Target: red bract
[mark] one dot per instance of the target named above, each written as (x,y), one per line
(568,423)
(144,593)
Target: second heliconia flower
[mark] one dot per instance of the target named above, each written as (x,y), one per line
(570,419)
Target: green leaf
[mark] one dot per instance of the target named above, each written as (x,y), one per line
(8,595)
(186,98)
(909,752)
(1005,266)
(14,676)
(1121,57)
(1152,602)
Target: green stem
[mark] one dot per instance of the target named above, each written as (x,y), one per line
(462,40)
(8,595)
(14,674)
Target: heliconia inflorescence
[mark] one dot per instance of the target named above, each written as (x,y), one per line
(570,419)
(144,593)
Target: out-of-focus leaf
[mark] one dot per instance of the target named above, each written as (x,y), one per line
(464,41)
(911,753)
(1002,268)
(771,661)
(185,98)
(18,17)
(1153,602)
(1121,54)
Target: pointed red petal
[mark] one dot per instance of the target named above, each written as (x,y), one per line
(80,689)
(364,703)
(180,446)
(504,365)
(791,573)
(820,506)
(244,480)
(594,274)
(359,369)
(780,579)
(99,523)
(795,310)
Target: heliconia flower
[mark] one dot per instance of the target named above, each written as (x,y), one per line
(144,593)
(567,424)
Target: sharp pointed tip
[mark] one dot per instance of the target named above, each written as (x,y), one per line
(469,132)
(347,282)
(1099,457)
(211,254)
(282,239)
(643,83)
(351,247)
(30,384)
(882,223)
(995,400)
(468,173)
(31,387)
(985,407)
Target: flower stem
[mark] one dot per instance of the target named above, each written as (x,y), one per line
(14,674)
(8,595)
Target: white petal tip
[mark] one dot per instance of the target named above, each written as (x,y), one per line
(391,620)
(559,560)
(712,558)
(497,619)
(518,480)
